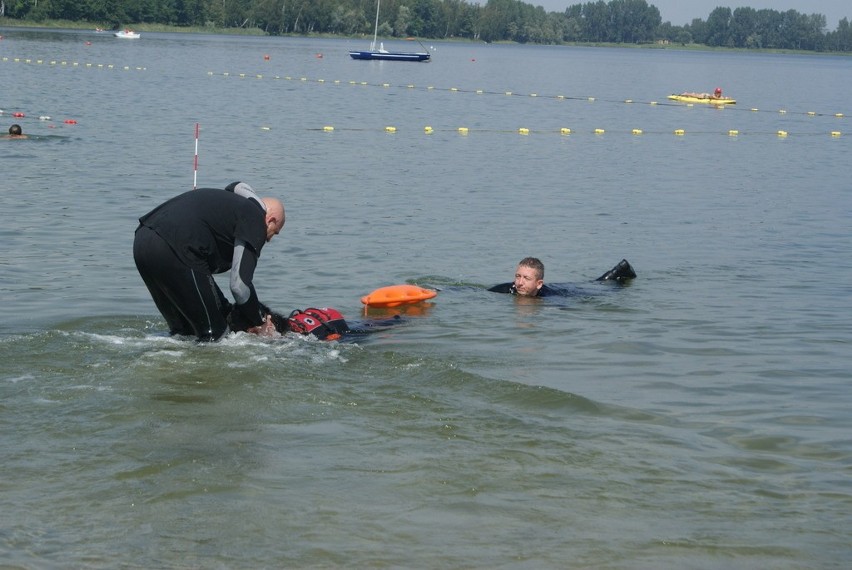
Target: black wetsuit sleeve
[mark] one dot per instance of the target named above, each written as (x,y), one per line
(503,288)
(242,286)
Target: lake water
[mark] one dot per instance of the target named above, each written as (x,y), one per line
(697,418)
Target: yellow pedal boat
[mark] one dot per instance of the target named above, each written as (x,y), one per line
(705,100)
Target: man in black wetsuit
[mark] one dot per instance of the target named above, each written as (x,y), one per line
(180,244)
(529,279)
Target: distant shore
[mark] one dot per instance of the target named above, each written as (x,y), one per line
(73,25)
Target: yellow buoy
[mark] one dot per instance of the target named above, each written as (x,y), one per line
(463,130)
(328,128)
(523,131)
(427,129)
(599,131)
(565,131)
(782,134)
(733,133)
(390,129)
(637,131)
(835,133)
(679,132)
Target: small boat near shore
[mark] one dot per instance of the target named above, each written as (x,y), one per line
(127,34)
(382,53)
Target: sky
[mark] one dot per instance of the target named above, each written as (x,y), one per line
(680,12)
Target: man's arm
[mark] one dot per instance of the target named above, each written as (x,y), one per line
(242,273)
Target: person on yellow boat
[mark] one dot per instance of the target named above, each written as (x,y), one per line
(717,94)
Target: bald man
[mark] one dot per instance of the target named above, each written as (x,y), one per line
(182,243)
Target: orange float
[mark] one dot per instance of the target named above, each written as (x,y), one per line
(396,295)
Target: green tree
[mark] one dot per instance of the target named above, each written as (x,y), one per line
(719,27)
(683,37)
(400,24)
(596,22)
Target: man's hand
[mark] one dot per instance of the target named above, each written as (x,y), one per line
(266,329)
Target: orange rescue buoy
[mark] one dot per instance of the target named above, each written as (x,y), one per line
(395,295)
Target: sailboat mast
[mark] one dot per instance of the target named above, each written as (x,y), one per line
(376,30)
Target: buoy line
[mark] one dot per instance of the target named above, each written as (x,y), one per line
(530,95)
(569,132)
(18,115)
(70,64)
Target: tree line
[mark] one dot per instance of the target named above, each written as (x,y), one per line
(615,21)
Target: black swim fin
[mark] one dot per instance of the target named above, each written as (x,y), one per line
(620,273)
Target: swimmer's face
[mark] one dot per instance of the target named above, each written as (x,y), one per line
(527,281)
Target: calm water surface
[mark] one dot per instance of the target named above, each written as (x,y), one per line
(697,418)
